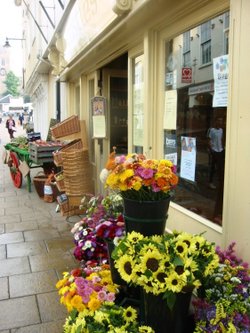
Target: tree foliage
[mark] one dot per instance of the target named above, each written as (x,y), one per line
(12,84)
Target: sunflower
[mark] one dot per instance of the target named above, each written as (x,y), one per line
(150,259)
(146,283)
(125,266)
(133,237)
(130,314)
(159,282)
(176,282)
(145,329)
(181,248)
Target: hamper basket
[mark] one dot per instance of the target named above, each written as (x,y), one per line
(39,181)
(66,127)
(59,177)
(73,145)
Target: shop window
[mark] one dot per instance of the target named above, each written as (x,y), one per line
(138,107)
(205,42)
(195,116)
(186,49)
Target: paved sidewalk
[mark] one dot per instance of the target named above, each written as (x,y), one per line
(35,248)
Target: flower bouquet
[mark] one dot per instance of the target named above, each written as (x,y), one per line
(224,305)
(165,265)
(86,288)
(139,178)
(109,318)
(103,221)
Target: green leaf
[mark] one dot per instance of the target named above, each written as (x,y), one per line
(170,297)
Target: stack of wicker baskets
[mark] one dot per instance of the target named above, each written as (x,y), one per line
(77,175)
(76,168)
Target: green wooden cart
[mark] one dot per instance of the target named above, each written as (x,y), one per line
(35,157)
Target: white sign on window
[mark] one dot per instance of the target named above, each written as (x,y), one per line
(220,69)
(188,158)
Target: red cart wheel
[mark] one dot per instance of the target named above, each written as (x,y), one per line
(15,173)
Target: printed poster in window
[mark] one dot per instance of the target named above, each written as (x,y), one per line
(170,110)
(188,158)
(170,146)
(98,105)
(220,69)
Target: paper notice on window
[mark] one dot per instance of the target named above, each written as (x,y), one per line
(220,69)
(99,126)
(188,158)
(170,110)
(172,158)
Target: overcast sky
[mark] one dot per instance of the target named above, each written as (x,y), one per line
(11,26)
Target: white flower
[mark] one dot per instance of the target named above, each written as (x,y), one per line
(104,175)
(88,244)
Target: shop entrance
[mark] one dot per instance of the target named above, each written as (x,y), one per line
(113,85)
(115,89)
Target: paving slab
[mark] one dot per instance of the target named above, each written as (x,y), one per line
(65,244)
(33,283)
(12,237)
(52,327)
(4,288)
(18,312)
(14,266)
(20,226)
(16,210)
(25,249)
(10,219)
(58,260)
(2,252)
(51,301)
(36,235)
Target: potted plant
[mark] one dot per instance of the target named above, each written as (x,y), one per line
(224,303)
(86,288)
(109,318)
(103,221)
(145,185)
(168,268)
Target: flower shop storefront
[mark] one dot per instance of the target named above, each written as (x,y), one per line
(175,53)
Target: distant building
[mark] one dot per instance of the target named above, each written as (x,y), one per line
(11,105)
(4,67)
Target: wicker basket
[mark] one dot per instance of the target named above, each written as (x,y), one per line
(66,127)
(75,200)
(71,146)
(39,181)
(60,181)
(66,209)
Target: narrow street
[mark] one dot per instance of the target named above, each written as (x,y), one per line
(35,248)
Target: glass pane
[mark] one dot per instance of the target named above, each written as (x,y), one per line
(195,120)
(118,114)
(91,140)
(138,108)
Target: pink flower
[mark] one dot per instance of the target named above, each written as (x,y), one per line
(110,297)
(102,295)
(145,173)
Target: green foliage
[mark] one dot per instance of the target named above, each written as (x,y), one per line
(12,84)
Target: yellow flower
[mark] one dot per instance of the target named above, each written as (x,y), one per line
(133,237)
(125,267)
(61,283)
(76,302)
(130,314)
(176,282)
(181,249)
(150,259)
(126,174)
(94,303)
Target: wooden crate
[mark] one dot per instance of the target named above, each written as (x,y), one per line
(40,154)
